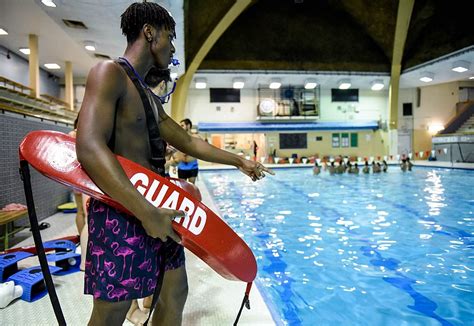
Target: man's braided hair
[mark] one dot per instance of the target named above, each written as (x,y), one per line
(141,13)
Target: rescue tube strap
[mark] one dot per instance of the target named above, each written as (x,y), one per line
(156,142)
(159,281)
(245,302)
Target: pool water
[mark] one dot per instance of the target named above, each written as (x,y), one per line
(380,249)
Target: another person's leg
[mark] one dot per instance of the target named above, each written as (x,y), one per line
(108,313)
(80,214)
(192,176)
(83,233)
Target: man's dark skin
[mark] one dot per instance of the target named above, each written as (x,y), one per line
(111,96)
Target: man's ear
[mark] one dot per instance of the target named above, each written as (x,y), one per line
(148,31)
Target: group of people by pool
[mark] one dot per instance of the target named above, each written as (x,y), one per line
(341,166)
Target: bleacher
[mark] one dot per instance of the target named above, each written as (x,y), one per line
(15,97)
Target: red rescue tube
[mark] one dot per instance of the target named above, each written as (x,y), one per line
(202,232)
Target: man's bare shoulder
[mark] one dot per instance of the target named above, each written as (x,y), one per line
(108,72)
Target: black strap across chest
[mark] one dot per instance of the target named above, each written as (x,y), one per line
(157,144)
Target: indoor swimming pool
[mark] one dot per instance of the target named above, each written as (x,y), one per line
(380,249)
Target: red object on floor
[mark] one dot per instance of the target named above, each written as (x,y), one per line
(202,231)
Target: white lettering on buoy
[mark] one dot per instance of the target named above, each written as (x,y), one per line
(195,218)
(188,207)
(172,201)
(149,195)
(140,182)
(198,221)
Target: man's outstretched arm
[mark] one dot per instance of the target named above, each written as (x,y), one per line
(200,149)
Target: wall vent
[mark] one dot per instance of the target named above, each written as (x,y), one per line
(102,56)
(74,24)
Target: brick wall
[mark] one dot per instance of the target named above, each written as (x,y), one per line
(47,193)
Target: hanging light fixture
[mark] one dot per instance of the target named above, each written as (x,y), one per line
(238,83)
(377,85)
(310,83)
(200,83)
(275,83)
(461,66)
(89,46)
(344,83)
(427,77)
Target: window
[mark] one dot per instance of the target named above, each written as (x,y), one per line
(335,140)
(319,138)
(344,140)
(407,109)
(225,95)
(288,141)
(344,95)
(354,140)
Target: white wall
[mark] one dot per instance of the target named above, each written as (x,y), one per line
(199,108)
(371,106)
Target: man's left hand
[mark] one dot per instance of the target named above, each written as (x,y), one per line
(254,170)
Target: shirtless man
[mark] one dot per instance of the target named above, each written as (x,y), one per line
(188,168)
(113,121)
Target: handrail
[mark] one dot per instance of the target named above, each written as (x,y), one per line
(457,121)
(42,116)
(56,100)
(22,87)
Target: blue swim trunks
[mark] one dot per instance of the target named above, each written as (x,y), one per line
(122,261)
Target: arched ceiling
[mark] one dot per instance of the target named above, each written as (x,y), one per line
(325,35)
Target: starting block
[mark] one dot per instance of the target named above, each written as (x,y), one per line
(32,282)
(8,263)
(60,245)
(68,261)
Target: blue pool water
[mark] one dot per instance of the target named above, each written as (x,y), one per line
(389,249)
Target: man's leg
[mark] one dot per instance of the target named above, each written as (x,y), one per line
(170,306)
(106,313)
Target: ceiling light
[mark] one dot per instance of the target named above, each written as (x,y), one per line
(427,76)
(310,83)
(377,85)
(344,84)
(238,83)
(89,46)
(3,31)
(52,66)
(275,83)
(461,66)
(24,50)
(49,3)
(201,83)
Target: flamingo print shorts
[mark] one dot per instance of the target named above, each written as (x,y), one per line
(122,261)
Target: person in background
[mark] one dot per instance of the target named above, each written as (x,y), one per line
(355,169)
(188,168)
(409,164)
(340,167)
(366,168)
(376,167)
(81,213)
(254,149)
(332,168)
(403,165)
(316,168)
(385,166)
